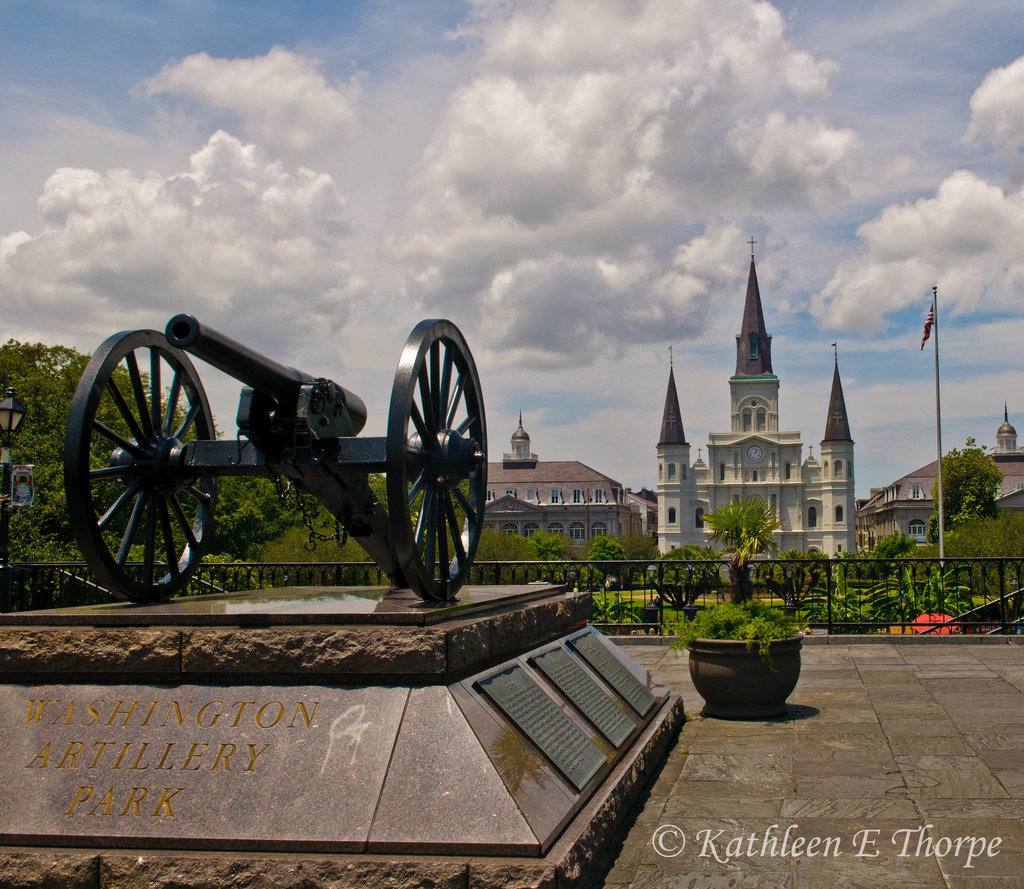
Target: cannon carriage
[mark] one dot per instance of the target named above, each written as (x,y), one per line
(141,456)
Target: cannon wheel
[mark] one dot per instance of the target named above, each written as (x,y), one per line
(128,499)
(436,461)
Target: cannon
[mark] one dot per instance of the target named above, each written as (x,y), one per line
(141,456)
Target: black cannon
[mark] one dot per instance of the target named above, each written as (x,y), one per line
(141,456)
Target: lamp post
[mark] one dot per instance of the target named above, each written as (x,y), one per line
(12,412)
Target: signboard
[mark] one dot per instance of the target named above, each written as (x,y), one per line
(600,655)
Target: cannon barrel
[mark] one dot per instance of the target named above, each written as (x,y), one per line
(250,367)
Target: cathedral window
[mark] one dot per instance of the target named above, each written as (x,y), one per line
(755,475)
(671,515)
(671,470)
(661,472)
(789,472)
(698,517)
(839,468)
(747,414)
(682,470)
(762,421)
(839,515)
(753,345)
(812,517)
(721,472)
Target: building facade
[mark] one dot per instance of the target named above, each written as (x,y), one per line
(906,504)
(814,498)
(527,495)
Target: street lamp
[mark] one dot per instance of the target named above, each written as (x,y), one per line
(12,412)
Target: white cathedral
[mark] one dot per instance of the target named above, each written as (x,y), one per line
(813,497)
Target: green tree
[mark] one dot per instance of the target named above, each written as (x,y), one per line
(744,527)
(605,549)
(496,546)
(639,546)
(548,547)
(45,378)
(1002,536)
(894,546)
(970,485)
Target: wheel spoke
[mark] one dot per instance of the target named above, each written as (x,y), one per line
(465,424)
(155,392)
(204,498)
(441,527)
(118,505)
(417,421)
(435,377)
(133,525)
(108,472)
(140,395)
(190,418)
(125,410)
(169,547)
(427,403)
(123,443)
(460,385)
(149,545)
(453,523)
(443,406)
(172,401)
(186,525)
(423,519)
(417,487)
(465,504)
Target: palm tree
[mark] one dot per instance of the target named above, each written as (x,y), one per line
(744,527)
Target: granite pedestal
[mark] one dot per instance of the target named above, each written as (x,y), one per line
(320,737)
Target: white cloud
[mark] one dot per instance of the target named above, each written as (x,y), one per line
(236,237)
(597,137)
(997,107)
(282,100)
(966,240)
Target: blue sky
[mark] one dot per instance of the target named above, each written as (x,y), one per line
(572,182)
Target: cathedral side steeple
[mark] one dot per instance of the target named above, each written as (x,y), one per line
(671,418)
(837,425)
(753,343)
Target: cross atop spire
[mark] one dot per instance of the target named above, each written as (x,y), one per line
(752,242)
(753,344)
(837,426)
(671,418)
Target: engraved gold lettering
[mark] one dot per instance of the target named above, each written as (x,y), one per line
(262,710)
(163,759)
(81,795)
(44,754)
(120,756)
(165,802)
(253,755)
(36,709)
(74,748)
(138,759)
(117,710)
(192,754)
(175,709)
(306,715)
(105,802)
(137,795)
(103,745)
(67,713)
(93,712)
(213,720)
(152,708)
(241,709)
(224,754)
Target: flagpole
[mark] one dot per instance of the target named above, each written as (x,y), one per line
(938,427)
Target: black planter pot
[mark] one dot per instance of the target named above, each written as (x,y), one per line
(736,684)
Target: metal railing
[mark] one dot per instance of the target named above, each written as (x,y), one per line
(846,595)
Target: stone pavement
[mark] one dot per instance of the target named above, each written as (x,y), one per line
(899,765)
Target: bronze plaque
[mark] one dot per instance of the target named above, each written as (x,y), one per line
(580,687)
(604,660)
(545,723)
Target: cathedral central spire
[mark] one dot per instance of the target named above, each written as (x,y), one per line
(754,343)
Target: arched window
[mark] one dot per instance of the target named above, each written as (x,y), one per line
(839,468)
(762,421)
(530,529)
(661,472)
(839,515)
(556,528)
(598,529)
(753,345)
(789,471)
(578,532)
(671,470)
(721,472)
(509,528)
(812,517)
(747,415)
(698,517)
(755,476)
(671,515)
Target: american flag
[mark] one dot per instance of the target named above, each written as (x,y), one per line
(928,322)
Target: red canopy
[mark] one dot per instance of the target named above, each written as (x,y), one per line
(934,622)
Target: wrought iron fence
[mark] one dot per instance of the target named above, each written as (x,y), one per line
(846,595)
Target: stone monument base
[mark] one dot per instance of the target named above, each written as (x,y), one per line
(306,738)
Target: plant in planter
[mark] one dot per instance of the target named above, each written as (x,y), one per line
(744,655)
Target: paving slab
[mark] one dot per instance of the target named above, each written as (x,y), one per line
(890,753)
